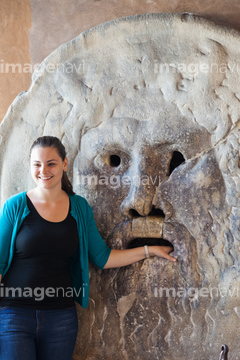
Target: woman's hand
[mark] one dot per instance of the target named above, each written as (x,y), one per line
(162,251)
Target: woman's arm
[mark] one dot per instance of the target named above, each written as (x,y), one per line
(10,213)
(118,258)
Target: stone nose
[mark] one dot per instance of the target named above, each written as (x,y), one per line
(143,195)
(139,201)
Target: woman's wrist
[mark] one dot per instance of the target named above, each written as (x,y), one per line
(152,250)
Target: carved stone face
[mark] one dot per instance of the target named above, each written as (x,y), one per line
(147,176)
(157,178)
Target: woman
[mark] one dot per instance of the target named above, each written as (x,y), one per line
(46,237)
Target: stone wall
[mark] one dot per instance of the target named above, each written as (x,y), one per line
(32,29)
(15,24)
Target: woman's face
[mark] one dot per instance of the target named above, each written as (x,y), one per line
(47,167)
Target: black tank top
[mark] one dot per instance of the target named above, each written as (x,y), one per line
(39,274)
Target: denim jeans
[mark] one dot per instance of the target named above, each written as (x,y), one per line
(27,334)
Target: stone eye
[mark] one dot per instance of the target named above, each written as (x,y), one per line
(114,160)
(177,160)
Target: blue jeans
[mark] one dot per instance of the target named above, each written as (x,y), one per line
(27,334)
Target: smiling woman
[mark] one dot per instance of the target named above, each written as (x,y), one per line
(46,165)
(51,232)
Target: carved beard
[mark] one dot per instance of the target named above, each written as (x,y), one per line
(127,304)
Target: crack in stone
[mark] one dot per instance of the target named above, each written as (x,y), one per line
(151,337)
(205,151)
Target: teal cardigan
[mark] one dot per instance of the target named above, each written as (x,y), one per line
(91,244)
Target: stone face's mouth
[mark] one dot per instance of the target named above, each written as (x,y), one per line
(147,227)
(139,242)
(152,231)
(138,232)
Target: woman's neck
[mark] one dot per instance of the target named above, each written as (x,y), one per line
(48,195)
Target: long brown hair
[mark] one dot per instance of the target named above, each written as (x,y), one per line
(54,142)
